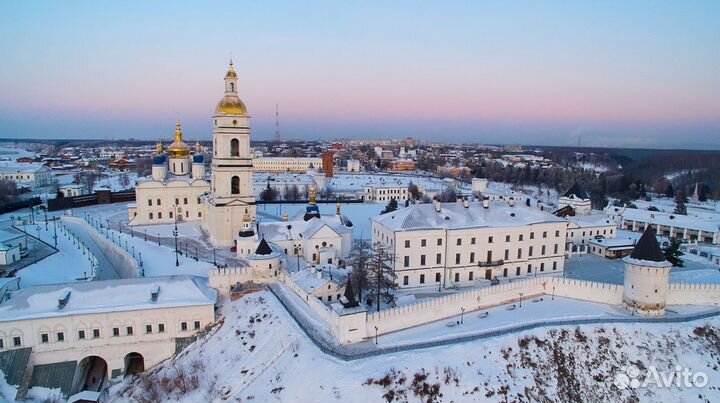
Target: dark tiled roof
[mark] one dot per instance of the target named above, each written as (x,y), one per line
(13,364)
(263,248)
(648,248)
(58,375)
(578,190)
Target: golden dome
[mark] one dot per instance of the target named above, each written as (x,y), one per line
(231,105)
(178,148)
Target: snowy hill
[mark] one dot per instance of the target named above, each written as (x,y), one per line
(257,353)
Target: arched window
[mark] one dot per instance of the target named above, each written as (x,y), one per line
(235,185)
(232,87)
(234,148)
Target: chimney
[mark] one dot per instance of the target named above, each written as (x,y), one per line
(486,202)
(511,201)
(466,203)
(318,272)
(437,204)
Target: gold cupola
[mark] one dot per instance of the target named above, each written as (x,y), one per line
(231,104)
(178,148)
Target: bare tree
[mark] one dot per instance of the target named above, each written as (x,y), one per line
(292,193)
(381,274)
(359,259)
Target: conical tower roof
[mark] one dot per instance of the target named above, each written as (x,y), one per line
(263,248)
(349,296)
(648,248)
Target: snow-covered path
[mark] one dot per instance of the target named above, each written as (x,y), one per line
(106,270)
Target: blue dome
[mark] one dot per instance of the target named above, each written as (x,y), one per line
(198,159)
(159,160)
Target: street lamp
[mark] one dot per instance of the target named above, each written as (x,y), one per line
(38,231)
(376,334)
(521,295)
(55,231)
(175,235)
(462,315)
(145,234)
(553,294)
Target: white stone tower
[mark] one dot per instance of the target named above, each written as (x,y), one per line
(647,276)
(231,198)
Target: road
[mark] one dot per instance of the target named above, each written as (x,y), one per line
(106,270)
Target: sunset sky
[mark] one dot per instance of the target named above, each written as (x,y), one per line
(616,73)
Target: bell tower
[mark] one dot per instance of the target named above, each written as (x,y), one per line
(231,197)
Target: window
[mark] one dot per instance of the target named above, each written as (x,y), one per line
(96,333)
(129,330)
(150,216)
(158,202)
(472,241)
(542,266)
(406,262)
(149,202)
(507,254)
(470,276)
(542,250)
(554,265)
(407,244)
(457,277)
(530,251)
(437,277)
(457,258)
(17,341)
(235,185)
(507,238)
(405,280)
(422,260)
(505,272)
(459,241)
(423,243)
(44,338)
(532,235)
(438,258)
(439,241)
(489,256)
(116,331)
(196,324)
(472,257)
(171,214)
(148,328)
(422,279)
(544,234)
(183,326)
(2,344)
(519,254)
(555,249)
(60,336)
(529,269)
(159,215)
(329,298)
(81,334)
(161,328)
(557,234)
(234,148)
(517,271)
(177,201)
(490,240)
(184,200)
(520,237)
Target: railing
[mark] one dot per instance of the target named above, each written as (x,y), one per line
(491,263)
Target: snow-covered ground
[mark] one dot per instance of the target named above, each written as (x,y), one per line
(67,265)
(34,395)
(257,353)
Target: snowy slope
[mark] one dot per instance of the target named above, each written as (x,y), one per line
(258,354)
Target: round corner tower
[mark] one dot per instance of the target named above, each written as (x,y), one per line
(647,277)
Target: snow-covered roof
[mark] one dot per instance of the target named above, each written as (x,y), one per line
(313,278)
(671,220)
(21,168)
(455,216)
(592,220)
(9,235)
(107,296)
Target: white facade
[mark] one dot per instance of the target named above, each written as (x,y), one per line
(584,229)
(72,190)
(667,225)
(446,245)
(285,164)
(353,165)
(385,193)
(113,319)
(31,174)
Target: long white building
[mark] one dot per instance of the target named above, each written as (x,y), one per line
(444,245)
(106,329)
(286,164)
(26,174)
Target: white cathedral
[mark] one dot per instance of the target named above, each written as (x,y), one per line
(178,190)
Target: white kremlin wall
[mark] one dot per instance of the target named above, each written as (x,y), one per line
(694,294)
(116,255)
